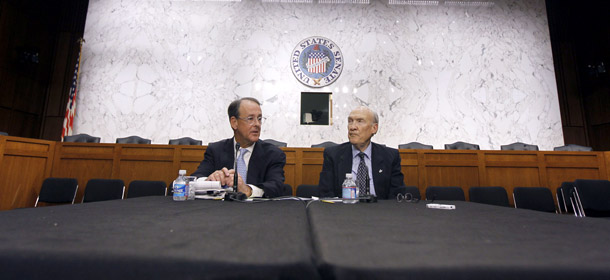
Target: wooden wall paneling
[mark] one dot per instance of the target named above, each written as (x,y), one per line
(290,169)
(569,166)
(145,162)
(512,169)
(312,161)
(24,164)
(452,168)
(83,161)
(409,165)
(189,158)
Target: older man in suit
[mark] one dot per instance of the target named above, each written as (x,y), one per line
(375,168)
(260,165)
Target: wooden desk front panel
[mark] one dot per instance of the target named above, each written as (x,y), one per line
(24,164)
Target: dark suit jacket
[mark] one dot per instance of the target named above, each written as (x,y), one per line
(387,177)
(265,169)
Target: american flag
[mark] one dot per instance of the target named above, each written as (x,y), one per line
(71,107)
(316,63)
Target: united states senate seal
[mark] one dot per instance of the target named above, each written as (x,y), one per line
(316,62)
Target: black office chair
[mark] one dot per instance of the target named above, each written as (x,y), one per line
(461,146)
(573,148)
(326,144)
(82,138)
(565,196)
(413,190)
(445,193)
(415,146)
(276,143)
(57,190)
(308,191)
(104,189)
(140,188)
(489,195)
(185,141)
(519,146)
(133,140)
(287,190)
(534,198)
(3,133)
(593,197)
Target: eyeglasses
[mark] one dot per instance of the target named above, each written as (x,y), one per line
(407,197)
(250,120)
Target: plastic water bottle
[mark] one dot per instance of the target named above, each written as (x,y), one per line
(350,191)
(179,187)
(190,188)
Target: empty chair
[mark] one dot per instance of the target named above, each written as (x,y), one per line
(573,148)
(564,193)
(593,197)
(276,143)
(489,195)
(133,140)
(104,189)
(534,198)
(519,146)
(287,190)
(82,138)
(140,188)
(324,144)
(461,146)
(445,193)
(413,190)
(185,141)
(3,133)
(415,146)
(57,190)
(308,191)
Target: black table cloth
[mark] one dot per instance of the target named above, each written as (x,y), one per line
(155,237)
(475,241)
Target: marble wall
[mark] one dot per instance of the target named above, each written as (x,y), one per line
(435,74)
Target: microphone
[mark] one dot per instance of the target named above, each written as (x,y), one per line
(235,175)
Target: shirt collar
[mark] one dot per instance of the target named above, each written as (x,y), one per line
(367,151)
(250,149)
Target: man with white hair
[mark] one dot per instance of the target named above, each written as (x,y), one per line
(375,167)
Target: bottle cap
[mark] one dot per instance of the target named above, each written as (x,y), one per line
(348,175)
(182,172)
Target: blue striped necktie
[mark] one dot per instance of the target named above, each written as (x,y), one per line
(242,169)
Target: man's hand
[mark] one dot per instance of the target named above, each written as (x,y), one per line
(225,177)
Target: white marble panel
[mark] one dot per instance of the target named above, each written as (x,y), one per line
(435,74)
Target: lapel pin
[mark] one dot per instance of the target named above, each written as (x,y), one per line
(380,170)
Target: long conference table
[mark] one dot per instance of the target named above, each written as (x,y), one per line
(157,238)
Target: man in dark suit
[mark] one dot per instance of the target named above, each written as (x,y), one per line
(378,164)
(260,163)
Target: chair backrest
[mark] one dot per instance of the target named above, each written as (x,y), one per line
(104,189)
(534,198)
(57,190)
(519,146)
(308,191)
(489,195)
(445,193)
(573,148)
(461,146)
(415,146)
(594,197)
(82,138)
(287,190)
(413,190)
(140,188)
(276,143)
(185,141)
(324,144)
(132,140)
(3,133)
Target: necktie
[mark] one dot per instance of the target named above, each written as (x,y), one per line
(361,177)
(242,169)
